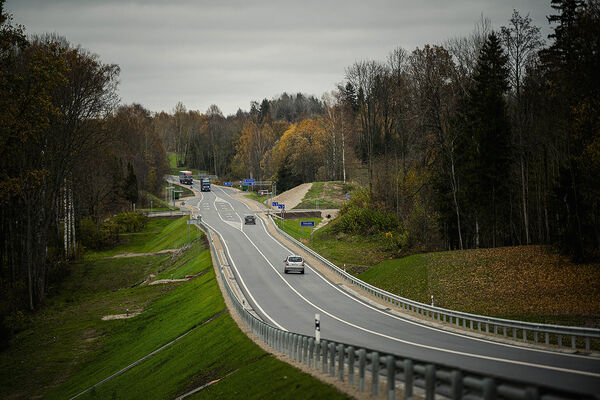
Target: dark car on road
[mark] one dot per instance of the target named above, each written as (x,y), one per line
(250,219)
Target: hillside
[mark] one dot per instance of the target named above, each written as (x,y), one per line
(524,282)
(104,317)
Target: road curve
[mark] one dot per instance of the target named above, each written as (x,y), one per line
(291,301)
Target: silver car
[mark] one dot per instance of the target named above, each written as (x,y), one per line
(293,263)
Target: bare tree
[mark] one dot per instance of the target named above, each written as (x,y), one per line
(522,41)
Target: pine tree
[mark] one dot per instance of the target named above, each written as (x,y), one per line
(131,186)
(488,148)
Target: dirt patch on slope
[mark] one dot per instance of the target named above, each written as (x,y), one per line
(291,198)
(156,253)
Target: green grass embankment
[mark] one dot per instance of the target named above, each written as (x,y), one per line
(529,283)
(174,169)
(324,195)
(254,196)
(67,347)
(293,227)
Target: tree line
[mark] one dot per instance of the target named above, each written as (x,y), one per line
(486,140)
(70,153)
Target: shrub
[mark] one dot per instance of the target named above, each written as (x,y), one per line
(360,217)
(107,234)
(130,221)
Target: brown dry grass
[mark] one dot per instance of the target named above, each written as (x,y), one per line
(524,281)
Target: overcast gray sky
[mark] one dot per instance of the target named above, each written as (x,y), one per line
(231,52)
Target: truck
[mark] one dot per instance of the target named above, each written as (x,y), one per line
(186,178)
(205,185)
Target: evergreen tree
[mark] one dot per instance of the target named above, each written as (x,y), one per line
(488,148)
(131,186)
(572,64)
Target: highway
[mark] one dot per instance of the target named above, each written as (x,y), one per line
(290,302)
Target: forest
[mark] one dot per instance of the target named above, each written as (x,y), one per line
(487,140)
(481,141)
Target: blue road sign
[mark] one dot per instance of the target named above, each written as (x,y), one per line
(347,196)
(275,204)
(228,183)
(307,223)
(248,181)
(281,206)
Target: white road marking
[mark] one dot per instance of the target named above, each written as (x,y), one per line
(524,363)
(241,279)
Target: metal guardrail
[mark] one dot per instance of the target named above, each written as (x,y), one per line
(361,366)
(174,213)
(519,330)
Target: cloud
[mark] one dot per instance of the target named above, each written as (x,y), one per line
(230,52)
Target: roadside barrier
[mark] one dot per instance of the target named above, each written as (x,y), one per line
(518,330)
(364,368)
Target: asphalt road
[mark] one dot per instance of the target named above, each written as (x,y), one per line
(291,301)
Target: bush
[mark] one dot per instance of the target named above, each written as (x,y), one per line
(360,217)
(130,222)
(107,234)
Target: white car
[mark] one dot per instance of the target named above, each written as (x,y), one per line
(293,263)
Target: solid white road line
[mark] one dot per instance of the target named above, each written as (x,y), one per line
(406,341)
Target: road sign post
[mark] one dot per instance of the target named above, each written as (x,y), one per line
(308,223)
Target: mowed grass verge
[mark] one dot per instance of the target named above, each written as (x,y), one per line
(294,227)
(528,283)
(67,347)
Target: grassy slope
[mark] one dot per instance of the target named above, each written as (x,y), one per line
(323,195)
(254,196)
(174,169)
(294,228)
(67,347)
(527,283)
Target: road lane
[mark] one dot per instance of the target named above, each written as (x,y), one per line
(292,300)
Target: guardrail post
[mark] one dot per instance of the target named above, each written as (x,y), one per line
(324,358)
(532,393)
(456,382)
(489,389)
(341,354)
(408,379)
(317,355)
(305,345)
(362,364)
(573,341)
(278,342)
(351,365)
(587,343)
(429,382)
(547,337)
(331,359)
(311,349)
(559,340)
(391,377)
(375,373)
